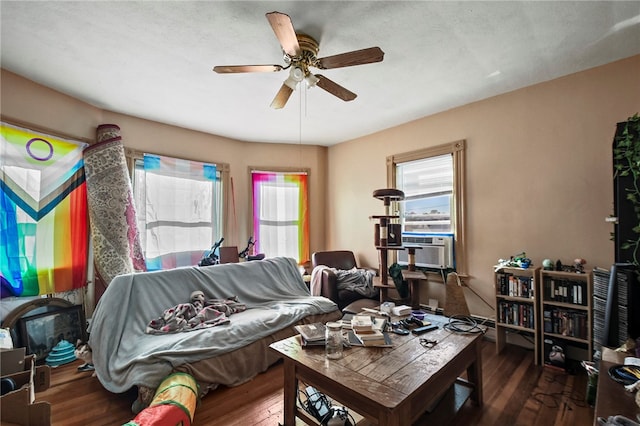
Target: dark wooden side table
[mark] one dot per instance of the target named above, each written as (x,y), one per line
(612,399)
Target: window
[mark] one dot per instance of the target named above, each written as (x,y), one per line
(428,194)
(280,214)
(179,207)
(432,181)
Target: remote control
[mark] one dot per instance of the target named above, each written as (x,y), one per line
(426,328)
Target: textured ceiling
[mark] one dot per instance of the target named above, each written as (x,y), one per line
(154,59)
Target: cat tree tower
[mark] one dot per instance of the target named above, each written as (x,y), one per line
(388,236)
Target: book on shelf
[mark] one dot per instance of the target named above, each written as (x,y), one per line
(516,313)
(547,321)
(565,291)
(515,286)
(566,322)
(381,341)
(312,332)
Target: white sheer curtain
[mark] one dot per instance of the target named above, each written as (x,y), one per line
(179,202)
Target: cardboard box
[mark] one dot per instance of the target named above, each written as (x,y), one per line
(19,407)
(41,375)
(12,361)
(16,409)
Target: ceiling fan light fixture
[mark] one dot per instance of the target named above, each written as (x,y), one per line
(311,80)
(291,83)
(296,75)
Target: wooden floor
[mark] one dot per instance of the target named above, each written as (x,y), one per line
(516,392)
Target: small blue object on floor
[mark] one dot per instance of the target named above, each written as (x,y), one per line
(62,353)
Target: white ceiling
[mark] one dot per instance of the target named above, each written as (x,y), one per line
(154,59)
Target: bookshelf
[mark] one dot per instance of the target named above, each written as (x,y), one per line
(516,307)
(566,316)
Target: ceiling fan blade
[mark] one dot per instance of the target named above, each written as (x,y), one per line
(226,69)
(282,97)
(334,88)
(349,59)
(286,34)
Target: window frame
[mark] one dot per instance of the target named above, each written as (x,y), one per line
(457,150)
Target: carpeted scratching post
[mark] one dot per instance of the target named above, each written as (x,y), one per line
(455,303)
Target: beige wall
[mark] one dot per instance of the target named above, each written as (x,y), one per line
(539,173)
(538,167)
(31,104)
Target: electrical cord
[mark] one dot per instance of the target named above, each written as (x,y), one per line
(318,405)
(464,325)
(554,399)
(444,280)
(339,416)
(315,403)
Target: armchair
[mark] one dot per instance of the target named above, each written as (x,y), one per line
(325,282)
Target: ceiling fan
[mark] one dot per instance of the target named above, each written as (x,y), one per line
(300,52)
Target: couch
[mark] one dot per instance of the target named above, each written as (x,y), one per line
(126,356)
(326,283)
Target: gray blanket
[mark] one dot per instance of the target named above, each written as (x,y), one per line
(357,280)
(125,356)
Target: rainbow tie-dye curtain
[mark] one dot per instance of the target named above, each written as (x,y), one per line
(281,214)
(43,216)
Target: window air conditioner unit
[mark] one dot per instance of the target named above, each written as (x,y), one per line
(436,251)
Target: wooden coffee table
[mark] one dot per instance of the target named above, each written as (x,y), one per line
(388,386)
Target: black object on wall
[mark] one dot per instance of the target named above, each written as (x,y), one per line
(623,208)
(616,306)
(623,301)
(621,318)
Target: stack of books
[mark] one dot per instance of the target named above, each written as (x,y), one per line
(368,331)
(311,334)
(362,323)
(377,323)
